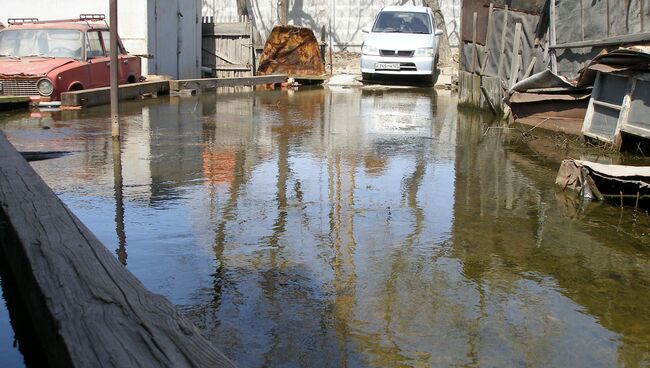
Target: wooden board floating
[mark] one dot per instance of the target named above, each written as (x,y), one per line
(213,83)
(88,309)
(12,102)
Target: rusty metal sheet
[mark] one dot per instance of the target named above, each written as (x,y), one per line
(291,50)
(621,184)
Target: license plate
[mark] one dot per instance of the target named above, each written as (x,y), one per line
(387,66)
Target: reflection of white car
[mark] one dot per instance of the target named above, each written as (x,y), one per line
(403,41)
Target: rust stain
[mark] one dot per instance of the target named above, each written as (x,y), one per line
(293,51)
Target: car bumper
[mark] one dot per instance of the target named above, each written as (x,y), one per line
(421,65)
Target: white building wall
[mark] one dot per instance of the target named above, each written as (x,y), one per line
(347,19)
(145,26)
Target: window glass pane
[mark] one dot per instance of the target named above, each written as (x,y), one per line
(41,42)
(403,22)
(94,46)
(106,35)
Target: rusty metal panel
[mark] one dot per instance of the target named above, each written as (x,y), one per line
(291,50)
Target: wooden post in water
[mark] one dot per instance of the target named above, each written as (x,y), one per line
(114,70)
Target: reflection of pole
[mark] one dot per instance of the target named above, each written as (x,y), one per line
(119,202)
(115,114)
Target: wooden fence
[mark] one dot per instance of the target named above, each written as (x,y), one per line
(228,47)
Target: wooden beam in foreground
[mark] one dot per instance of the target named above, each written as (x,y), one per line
(102,96)
(88,309)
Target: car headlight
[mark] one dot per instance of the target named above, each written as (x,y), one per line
(45,87)
(425,51)
(369,50)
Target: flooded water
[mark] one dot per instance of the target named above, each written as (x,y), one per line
(350,228)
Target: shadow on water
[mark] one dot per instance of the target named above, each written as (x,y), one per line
(355,228)
(19,345)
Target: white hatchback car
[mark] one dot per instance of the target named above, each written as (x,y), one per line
(403,41)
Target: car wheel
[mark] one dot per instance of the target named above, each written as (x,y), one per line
(433,78)
(366,76)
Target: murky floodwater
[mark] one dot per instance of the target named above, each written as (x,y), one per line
(354,229)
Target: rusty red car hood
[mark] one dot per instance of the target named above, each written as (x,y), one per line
(31,66)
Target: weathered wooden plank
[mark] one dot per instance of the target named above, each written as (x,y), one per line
(515,60)
(301,77)
(226,29)
(480,92)
(13,99)
(553,36)
(502,48)
(213,83)
(487,40)
(531,67)
(102,96)
(88,309)
(12,102)
(232,67)
(474,50)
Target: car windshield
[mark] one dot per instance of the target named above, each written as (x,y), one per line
(41,42)
(403,22)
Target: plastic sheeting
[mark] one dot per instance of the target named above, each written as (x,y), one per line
(481,7)
(530,47)
(584,20)
(542,80)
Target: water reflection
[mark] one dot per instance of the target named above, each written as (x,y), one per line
(356,228)
(118,185)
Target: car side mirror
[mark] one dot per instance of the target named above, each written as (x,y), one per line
(438,32)
(365,30)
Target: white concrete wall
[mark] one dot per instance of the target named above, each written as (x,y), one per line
(347,19)
(174,41)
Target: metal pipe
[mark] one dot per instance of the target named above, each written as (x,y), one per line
(114,70)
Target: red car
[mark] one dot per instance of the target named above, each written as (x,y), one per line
(42,59)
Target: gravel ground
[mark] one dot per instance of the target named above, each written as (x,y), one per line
(346,62)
